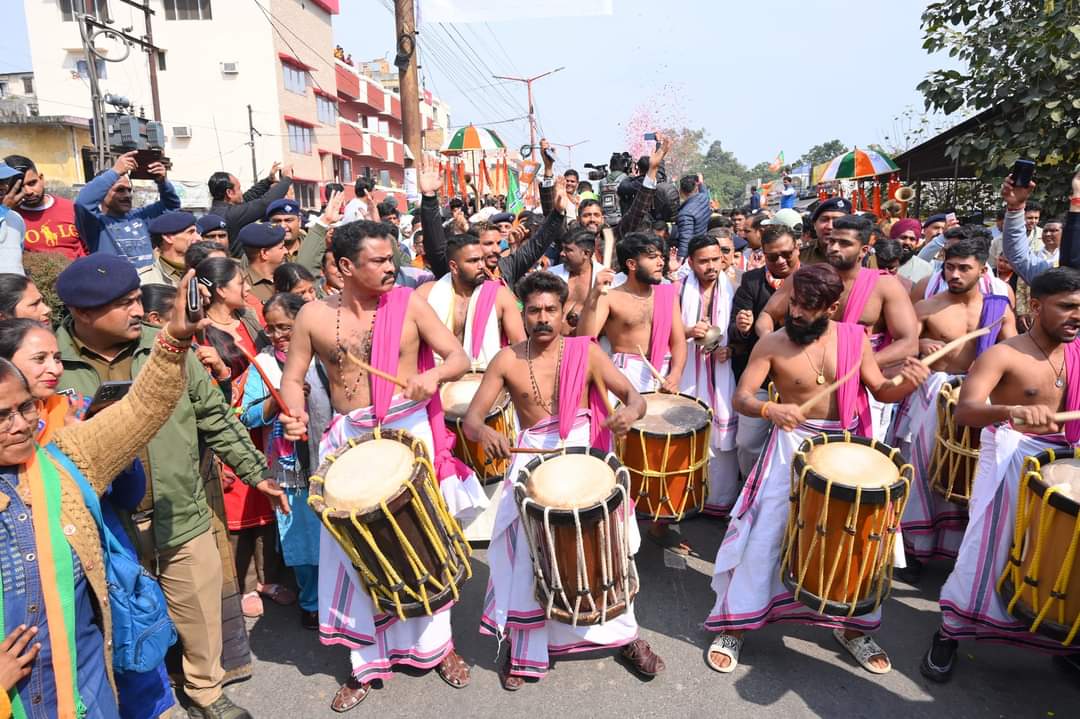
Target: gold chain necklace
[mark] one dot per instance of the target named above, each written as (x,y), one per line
(819,372)
(549,408)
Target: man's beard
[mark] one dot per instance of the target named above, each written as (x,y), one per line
(906,253)
(840,263)
(645,277)
(804,333)
(35,201)
(963,289)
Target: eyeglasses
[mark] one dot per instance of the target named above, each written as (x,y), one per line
(28,410)
(279,329)
(777,256)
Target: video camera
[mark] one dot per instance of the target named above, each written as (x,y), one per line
(608,182)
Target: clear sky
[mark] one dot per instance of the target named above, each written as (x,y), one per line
(759,77)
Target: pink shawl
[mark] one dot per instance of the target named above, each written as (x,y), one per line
(484,305)
(572,378)
(851,397)
(663,309)
(385,352)
(1072,393)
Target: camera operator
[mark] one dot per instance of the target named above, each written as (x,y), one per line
(242,208)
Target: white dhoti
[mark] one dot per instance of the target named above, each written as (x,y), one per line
(634,369)
(970,605)
(932,527)
(716,392)
(510,607)
(378,640)
(746,575)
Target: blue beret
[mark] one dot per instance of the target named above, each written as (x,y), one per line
(284,206)
(209,223)
(940,217)
(260,234)
(171,223)
(96,280)
(833,204)
(501,217)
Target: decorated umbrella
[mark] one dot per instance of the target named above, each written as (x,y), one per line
(473,139)
(856,164)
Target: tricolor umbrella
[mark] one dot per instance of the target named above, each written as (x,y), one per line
(472,138)
(858,163)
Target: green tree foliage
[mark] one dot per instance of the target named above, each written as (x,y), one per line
(1022,59)
(822,153)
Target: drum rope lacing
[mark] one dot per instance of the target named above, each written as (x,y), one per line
(397,586)
(953,460)
(1031,472)
(500,419)
(882,534)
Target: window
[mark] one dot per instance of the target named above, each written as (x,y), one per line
(84,69)
(295,79)
(305,193)
(327,110)
(28,85)
(300,138)
(161,60)
(70,8)
(188,10)
(3,89)
(343,169)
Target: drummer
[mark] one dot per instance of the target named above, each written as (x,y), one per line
(396,332)
(1013,390)
(553,382)
(810,352)
(705,300)
(482,313)
(932,526)
(641,315)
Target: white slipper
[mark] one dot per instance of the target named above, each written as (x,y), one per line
(729,646)
(862,648)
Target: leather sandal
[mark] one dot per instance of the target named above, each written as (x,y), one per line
(453,670)
(642,658)
(351,693)
(510,682)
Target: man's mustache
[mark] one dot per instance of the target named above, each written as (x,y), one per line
(543,327)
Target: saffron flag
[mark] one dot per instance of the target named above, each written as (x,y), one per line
(777,163)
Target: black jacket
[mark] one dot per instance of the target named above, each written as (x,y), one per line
(752,294)
(511,267)
(252,209)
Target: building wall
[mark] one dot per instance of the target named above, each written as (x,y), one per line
(193,89)
(54,146)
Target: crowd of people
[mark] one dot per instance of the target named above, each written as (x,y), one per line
(139,425)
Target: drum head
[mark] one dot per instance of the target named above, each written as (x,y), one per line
(456,396)
(671,414)
(854,465)
(1064,477)
(571,481)
(367,474)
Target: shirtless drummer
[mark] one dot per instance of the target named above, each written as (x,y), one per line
(557,386)
(395,330)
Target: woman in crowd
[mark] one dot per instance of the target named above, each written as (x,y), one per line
(294,278)
(290,461)
(235,336)
(19,297)
(157,302)
(31,347)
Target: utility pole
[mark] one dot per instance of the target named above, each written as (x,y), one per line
(152,55)
(251,143)
(405,28)
(570,150)
(532,114)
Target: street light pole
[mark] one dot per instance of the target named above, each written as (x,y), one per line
(570,150)
(532,114)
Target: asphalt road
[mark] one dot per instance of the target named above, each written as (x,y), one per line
(786,671)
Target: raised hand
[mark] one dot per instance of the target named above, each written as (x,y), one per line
(562,200)
(1015,197)
(332,214)
(430,178)
(125,163)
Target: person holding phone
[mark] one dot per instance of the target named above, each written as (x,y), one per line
(12,225)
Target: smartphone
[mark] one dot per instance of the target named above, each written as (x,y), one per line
(1022,172)
(549,154)
(107,393)
(950,217)
(650,136)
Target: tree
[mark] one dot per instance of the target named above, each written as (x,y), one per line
(822,153)
(1023,64)
(684,157)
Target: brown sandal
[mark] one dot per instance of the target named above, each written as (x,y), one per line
(351,693)
(510,682)
(453,670)
(642,658)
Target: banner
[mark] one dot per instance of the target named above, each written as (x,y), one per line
(777,162)
(457,11)
(514,204)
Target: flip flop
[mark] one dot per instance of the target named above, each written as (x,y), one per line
(727,645)
(453,670)
(863,648)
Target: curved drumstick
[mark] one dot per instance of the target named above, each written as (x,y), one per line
(805,406)
(274,394)
(949,347)
(609,247)
(601,387)
(374,371)
(655,372)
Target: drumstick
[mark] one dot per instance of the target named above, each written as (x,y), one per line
(949,347)
(609,247)
(526,450)
(602,389)
(1059,417)
(274,394)
(655,372)
(373,371)
(805,406)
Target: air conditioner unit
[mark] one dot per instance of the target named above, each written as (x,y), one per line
(181,132)
(230,68)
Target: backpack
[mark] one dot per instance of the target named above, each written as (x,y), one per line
(141,627)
